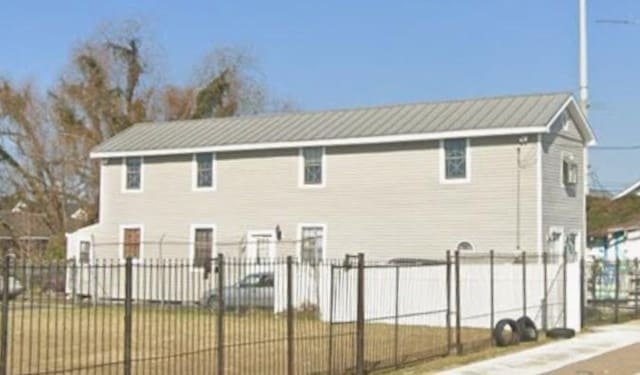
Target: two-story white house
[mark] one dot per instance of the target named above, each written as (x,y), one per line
(398,181)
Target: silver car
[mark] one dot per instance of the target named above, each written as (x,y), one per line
(254,290)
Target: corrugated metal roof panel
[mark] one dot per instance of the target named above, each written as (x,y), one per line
(403,119)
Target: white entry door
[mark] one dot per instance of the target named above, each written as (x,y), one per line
(261,245)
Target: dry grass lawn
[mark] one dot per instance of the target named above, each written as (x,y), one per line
(166,340)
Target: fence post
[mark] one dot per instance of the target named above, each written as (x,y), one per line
(220,316)
(395,333)
(616,311)
(582,291)
(636,286)
(74,281)
(331,296)
(449,333)
(524,283)
(128,321)
(458,312)
(492,292)
(360,318)
(564,286)
(290,351)
(4,335)
(545,296)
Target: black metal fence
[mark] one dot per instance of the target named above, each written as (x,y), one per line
(494,286)
(241,316)
(611,290)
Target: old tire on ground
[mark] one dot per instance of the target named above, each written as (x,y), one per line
(499,330)
(561,333)
(528,329)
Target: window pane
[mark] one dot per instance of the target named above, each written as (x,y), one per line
(132,243)
(205,170)
(133,173)
(203,247)
(455,158)
(262,246)
(84,255)
(311,246)
(312,165)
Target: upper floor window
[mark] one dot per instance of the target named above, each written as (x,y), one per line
(133,173)
(313,166)
(204,171)
(569,170)
(455,160)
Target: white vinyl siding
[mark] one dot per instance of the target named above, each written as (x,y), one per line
(563,205)
(382,200)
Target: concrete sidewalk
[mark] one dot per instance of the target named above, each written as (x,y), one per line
(559,354)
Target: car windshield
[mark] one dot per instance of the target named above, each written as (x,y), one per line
(256,280)
(250,280)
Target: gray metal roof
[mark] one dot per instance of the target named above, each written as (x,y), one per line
(507,112)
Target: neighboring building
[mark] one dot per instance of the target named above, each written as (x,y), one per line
(412,180)
(23,233)
(622,241)
(633,190)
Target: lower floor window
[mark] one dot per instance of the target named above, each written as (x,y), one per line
(263,247)
(311,246)
(202,247)
(132,243)
(84,253)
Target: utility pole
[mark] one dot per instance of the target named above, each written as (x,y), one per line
(584,90)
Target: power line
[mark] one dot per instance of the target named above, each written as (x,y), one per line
(630,147)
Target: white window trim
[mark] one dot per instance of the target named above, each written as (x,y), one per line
(473,247)
(192,243)
(443,167)
(194,173)
(569,156)
(124,175)
(272,245)
(301,183)
(121,241)
(324,239)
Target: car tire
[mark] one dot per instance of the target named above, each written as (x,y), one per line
(498,331)
(561,333)
(528,329)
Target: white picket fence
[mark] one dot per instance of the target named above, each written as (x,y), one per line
(418,295)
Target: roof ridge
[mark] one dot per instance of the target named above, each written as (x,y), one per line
(363,108)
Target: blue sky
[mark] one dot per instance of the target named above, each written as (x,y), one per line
(331,53)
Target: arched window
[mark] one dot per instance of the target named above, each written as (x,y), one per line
(465,246)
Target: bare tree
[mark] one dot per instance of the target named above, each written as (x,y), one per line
(109,85)
(45,141)
(226,83)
